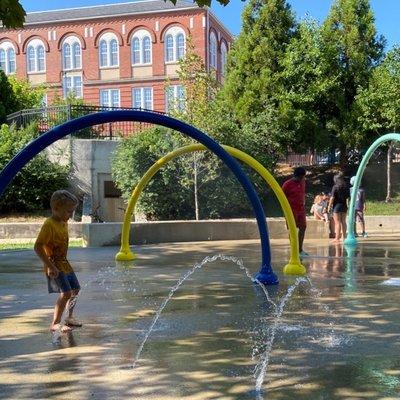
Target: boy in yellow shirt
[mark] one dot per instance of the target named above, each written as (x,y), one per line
(51,246)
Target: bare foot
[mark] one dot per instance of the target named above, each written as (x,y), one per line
(72,322)
(59,327)
(335,241)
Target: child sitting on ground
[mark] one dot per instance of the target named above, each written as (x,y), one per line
(51,246)
(320,207)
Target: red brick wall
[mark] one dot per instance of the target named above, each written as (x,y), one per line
(90,58)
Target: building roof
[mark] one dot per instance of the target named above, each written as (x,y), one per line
(107,10)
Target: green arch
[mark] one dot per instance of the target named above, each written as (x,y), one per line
(351,239)
(294,266)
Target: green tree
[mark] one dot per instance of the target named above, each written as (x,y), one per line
(32,187)
(8,103)
(352,50)
(198,110)
(306,84)
(379,106)
(17,94)
(379,102)
(166,196)
(12,14)
(253,70)
(25,95)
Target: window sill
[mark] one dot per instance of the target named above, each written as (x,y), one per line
(112,67)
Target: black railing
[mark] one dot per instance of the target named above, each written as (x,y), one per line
(49,117)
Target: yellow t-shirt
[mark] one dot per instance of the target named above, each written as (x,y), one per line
(54,235)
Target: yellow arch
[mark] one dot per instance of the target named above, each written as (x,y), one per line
(294,267)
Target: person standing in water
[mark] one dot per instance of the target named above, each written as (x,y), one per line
(360,208)
(51,246)
(295,191)
(338,204)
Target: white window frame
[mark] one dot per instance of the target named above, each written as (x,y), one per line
(35,45)
(75,60)
(110,96)
(177,103)
(108,38)
(70,86)
(7,48)
(174,50)
(213,51)
(139,37)
(143,92)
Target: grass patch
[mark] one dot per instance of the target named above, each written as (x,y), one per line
(382,208)
(29,245)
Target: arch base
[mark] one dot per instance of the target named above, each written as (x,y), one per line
(125,255)
(294,269)
(266,276)
(350,241)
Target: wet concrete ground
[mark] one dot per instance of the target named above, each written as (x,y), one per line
(340,340)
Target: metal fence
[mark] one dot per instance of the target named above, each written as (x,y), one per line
(49,117)
(310,158)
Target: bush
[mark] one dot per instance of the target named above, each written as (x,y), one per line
(32,187)
(169,195)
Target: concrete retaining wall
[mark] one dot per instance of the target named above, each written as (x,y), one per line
(191,231)
(109,233)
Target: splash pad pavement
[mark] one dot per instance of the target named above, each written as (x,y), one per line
(153,330)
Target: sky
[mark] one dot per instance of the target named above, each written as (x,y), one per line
(387,12)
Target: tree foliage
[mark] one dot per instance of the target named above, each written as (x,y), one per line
(12,14)
(32,187)
(253,69)
(8,103)
(306,84)
(24,94)
(352,50)
(379,102)
(17,94)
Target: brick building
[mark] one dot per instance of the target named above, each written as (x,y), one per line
(114,55)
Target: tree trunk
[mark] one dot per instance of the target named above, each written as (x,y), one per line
(343,160)
(195,189)
(388,172)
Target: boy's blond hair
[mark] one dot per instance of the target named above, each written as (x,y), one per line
(62,197)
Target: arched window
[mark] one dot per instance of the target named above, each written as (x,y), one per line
(103,53)
(114,53)
(76,55)
(213,50)
(169,48)
(180,46)
(175,46)
(146,50)
(136,51)
(3,63)
(224,57)
(40,58)
(141,47)
(67,56)
(7,58)
(31,59)
(71,53)
(36,58)
(108,50)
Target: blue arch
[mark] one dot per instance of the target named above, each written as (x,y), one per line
(265,275)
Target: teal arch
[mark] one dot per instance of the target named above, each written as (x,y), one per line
(351,239)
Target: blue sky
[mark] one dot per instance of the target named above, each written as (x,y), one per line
(387,12)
